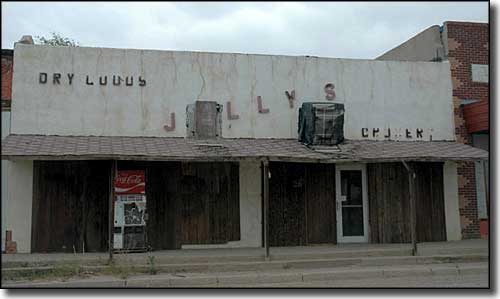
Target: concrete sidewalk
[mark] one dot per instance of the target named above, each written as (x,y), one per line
(256,254)
(220,267)
(299,277)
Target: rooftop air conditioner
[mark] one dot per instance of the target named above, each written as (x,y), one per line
(321,123)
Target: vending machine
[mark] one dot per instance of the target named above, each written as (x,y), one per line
(130,211)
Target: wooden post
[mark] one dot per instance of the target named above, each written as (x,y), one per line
(265,173)
(111,214)
(413,206)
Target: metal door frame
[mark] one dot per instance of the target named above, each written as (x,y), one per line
(364,187)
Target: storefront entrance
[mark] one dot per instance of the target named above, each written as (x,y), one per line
(351,203)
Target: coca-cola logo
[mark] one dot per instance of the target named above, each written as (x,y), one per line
(130,179)
(130,182)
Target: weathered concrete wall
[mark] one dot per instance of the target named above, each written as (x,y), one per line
(5,176)
(20,197)
(451,204)
(425,46)
(376,94)
(250,209)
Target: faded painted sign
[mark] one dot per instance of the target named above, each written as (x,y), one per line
(397,133)
(115,80)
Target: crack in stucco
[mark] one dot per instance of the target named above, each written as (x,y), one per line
(372,87)
(386,118)
(304,66)
(175,67)
(272,68)
(144,107)
(341,78)
(106,112)
(253,96)
(202,89)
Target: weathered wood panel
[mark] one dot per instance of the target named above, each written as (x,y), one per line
(163,227)
(210,203)
(287,225)
(70,207)
(431,224)
(389,204)
(234,202)
(192,203)
(320,204)
(301,204)
(70,204)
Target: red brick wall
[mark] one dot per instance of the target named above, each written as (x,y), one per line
(467,44)
(7,69)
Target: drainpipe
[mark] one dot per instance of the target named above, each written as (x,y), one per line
(413,209)
(266,174)
(111,214)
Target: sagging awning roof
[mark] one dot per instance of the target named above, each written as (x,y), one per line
(42,147)
(388,151)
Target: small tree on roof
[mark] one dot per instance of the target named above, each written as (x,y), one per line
(56,40)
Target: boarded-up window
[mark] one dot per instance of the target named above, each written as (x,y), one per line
(70,206)
(389,203)
(301,204)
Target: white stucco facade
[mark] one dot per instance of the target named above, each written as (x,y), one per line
(376,94)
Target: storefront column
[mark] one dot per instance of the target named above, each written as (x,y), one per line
(20,205)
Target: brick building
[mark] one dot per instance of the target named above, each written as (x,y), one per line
(465,45)
(7,66)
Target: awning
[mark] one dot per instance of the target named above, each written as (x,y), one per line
(42,147)
(388,151)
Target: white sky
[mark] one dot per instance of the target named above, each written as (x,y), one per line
(327,29)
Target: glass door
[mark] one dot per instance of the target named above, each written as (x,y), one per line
(351,204)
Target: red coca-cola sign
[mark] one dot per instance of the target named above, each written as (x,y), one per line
(130,182)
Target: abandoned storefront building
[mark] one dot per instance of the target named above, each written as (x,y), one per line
(141,149)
